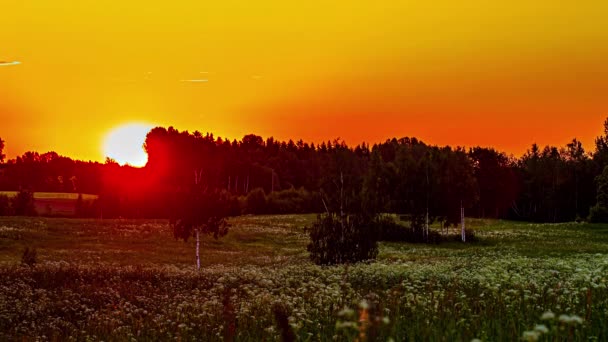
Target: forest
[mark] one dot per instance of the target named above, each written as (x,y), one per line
(257,176)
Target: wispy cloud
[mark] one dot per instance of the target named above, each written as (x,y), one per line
(201,80)
(5,63)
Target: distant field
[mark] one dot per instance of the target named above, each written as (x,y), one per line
(53,195)
(119,280)
(55,203)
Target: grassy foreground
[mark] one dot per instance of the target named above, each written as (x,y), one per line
(117,280)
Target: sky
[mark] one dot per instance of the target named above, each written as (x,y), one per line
(502,74)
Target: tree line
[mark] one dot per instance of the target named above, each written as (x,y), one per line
(422,182)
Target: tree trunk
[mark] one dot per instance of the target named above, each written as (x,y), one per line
(462,229)
(198,258)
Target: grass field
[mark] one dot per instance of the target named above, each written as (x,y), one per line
(53,195)
(117,280)
(55,203)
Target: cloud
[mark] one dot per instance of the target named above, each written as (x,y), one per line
(5,63)
(201,80)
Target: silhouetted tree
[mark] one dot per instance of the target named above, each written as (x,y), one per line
(600,156)
(199,210)
(599,212)
(2,156)
(497,184)
(344,234)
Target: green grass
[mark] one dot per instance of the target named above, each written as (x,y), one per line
(119,280)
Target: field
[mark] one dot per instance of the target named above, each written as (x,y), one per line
(117,280)
(54,203)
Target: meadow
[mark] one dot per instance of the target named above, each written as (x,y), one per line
(55,203)
(120,280)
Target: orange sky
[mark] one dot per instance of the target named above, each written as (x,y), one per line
(472,73)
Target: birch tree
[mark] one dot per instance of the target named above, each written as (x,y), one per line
(200,211)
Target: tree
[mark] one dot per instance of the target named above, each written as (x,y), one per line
(2,156)
(346,233)
(200,210)
(496,182)
(601,148)
(338,239)
(599,212)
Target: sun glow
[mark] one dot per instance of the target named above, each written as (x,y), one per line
(125,143)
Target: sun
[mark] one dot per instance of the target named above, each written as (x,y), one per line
(125,143)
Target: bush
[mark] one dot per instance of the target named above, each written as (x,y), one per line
(23,203)
(290,201)
(256,201)
(29,257)
(335,240)
(5,205)
(390,230)
(234,204)
(598,214)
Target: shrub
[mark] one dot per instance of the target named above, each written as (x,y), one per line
(347,239)
(469,235)
(234,204)
(256,201)
(290,201)
(5,205)
(390,230)
(598,214)
(29,257)
(23,203)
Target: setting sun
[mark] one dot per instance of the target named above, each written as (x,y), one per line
(125,144)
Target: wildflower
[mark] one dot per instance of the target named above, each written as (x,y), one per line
(541,328)
(346,312)
(547,316)
(530,336)
(576,319)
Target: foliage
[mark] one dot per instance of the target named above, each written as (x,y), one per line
(389,230)
(338,240)
(23,203)
(406,176)
(200,210)
(256,201)
(2,155)
(5,205)
(292,201)
(556,184)
(599,212)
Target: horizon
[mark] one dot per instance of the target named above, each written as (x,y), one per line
(588,150)
(471,74)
